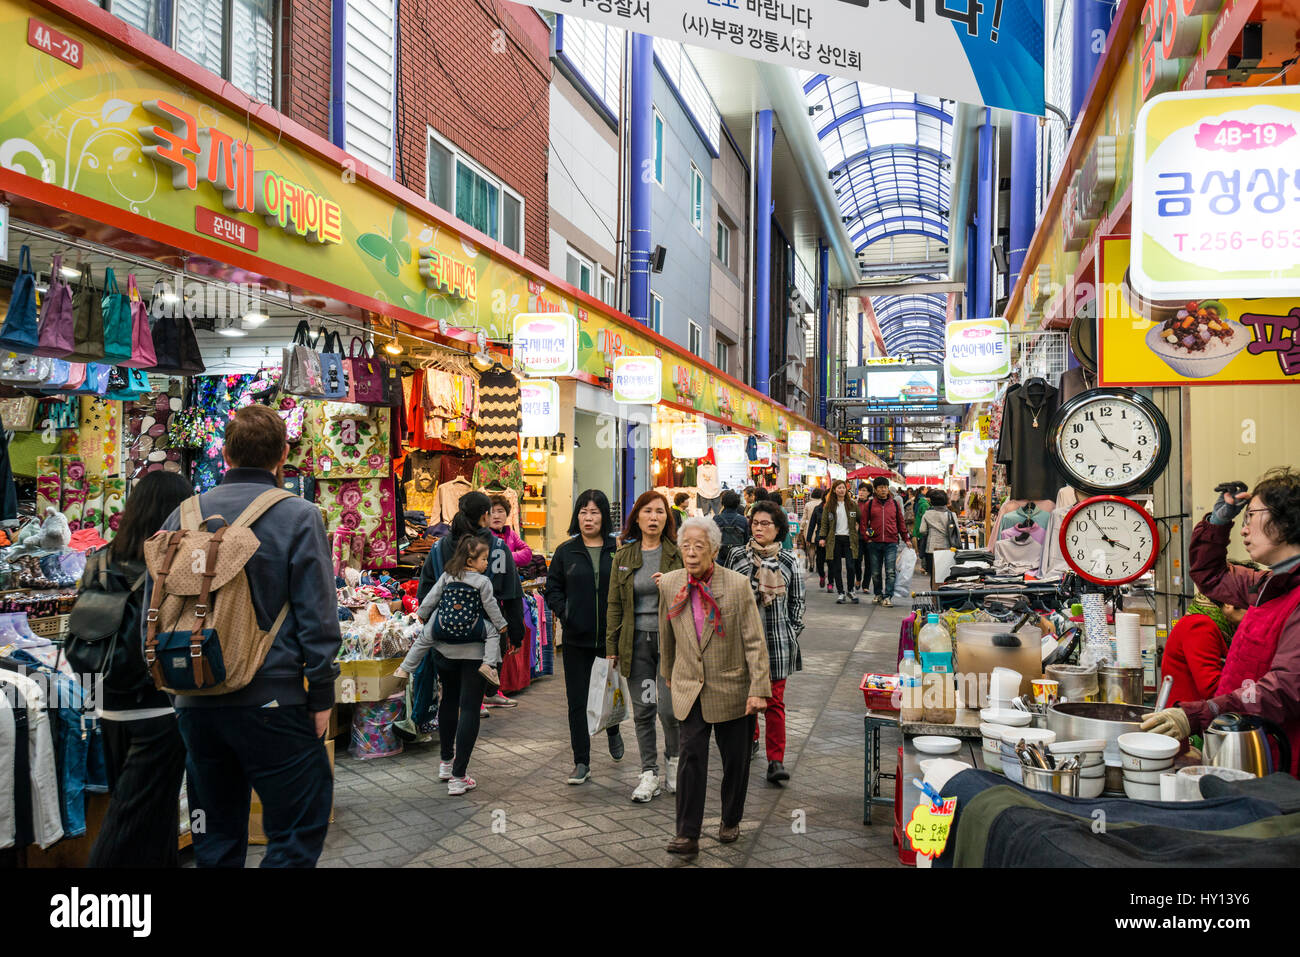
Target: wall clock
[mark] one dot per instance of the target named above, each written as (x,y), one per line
(1110,441)
(1109,540)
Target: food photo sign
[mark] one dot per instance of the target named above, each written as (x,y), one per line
(1190,341)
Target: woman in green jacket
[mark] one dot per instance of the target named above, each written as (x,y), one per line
(922,506)
(632,633)
(839,536)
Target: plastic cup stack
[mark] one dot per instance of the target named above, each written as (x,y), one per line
(1128,640)
(1096,635)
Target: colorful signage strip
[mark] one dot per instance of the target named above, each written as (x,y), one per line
(1215,202)
(1196,341)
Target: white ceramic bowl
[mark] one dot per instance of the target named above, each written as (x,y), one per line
(1012,768)
(1039,736)
(1144,777)
(1189,779)
(1079,746)
(1091,787)
(1096,771)
(992,734)
(1141,792)
(1143,744)
(1195,365)
(1130,763)
(1007,717)
(936,744)
(1001,704)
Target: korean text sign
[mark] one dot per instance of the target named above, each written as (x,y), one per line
(1216,194)
(539,408)
(638,380)
(1196,341)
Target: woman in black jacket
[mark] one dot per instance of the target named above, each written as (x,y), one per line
(146,755)
(577,589)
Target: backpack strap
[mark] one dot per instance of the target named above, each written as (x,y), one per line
(202,669)
(155,601)
(260,505)
(191,514)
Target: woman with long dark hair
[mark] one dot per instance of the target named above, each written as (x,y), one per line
(577,589)
(145,752)
(839,535)
(632,632)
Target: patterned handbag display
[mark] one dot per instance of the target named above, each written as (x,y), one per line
(361,508)
(351,440)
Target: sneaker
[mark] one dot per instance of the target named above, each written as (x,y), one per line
(887,603)
(841,600)
(830,588)
(579,774)
(821,582)
(499,700)
(854,598)
(647,787)
(753,748)
(444,771)
(483,711)
(671,777)
(878,599)
(458,786)
(490,675)
(616,747)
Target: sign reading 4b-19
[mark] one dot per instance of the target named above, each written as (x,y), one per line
(985,52)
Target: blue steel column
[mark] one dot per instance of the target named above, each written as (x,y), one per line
(641,174)
(983,304)
(1024,168)
(1091,25)
(763,254)
(824,308)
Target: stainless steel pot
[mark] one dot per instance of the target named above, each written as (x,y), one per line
(1120,685)
(1065,783)
(1072,720)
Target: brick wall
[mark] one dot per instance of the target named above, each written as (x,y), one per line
(305,63)
(495,106)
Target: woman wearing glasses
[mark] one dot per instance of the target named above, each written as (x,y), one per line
(1261,675)
(778,588)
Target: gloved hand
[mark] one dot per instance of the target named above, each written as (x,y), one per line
(1227,507)
(1172,722)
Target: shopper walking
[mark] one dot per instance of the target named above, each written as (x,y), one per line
(499,522)
(462,627)
(143,746)
(862,564)
(773,575)
(751,495)
(939,530)
(632,632)
(808,533)
(577,591)
(840,537)
(733,525)
(680,503)
(267,735)
(715,663)
(814,537)
(883,527)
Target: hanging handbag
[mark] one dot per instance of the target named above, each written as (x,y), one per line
(392,383)
(333,373)
(19,332)
(301,366)
(127,385)
(176,350)
(18,415)
(143,355)
(26,372)
(365,374)
(57,326)
(88,319)
(294,419)
(96,380)
(185,430)
(116,308)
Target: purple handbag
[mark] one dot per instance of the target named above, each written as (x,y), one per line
(57,331)
(365,374)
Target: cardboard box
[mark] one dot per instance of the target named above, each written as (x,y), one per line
(975,657)
(367,679)
(255,833)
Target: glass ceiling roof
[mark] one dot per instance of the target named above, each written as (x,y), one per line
(913,322)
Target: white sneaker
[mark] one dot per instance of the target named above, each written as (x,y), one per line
(671,778)
(646,788)
(458,786)
(444,771)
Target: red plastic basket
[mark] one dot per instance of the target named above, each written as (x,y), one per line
(878,699)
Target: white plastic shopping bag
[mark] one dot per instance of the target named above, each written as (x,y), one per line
(905,568)
(606,697)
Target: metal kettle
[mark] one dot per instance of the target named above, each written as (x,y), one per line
(1241,741)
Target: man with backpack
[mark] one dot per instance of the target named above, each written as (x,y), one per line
(732,522)
(882,528)
(242,609)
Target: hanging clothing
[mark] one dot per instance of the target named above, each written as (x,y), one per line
(449,496)
(8,492)
(1022,446)
(216,396)
(42,787)
(499,409)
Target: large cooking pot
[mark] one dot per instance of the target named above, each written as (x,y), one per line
(1072,720)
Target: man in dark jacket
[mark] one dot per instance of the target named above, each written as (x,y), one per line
(734,525)
(882,528)
(268,735)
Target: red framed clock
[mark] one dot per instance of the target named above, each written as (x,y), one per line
(1109,540)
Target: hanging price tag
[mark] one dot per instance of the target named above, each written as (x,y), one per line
(928,829)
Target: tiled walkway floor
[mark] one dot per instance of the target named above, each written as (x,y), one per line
(395,812)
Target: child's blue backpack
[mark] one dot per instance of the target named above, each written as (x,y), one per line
(459,616)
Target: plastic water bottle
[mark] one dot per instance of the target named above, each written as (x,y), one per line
(909,686)
(938,683)
(935,647)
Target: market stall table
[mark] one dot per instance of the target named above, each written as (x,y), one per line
(967,725)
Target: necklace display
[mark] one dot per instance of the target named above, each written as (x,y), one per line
(1035,409)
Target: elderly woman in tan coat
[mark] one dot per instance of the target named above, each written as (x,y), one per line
(714,657)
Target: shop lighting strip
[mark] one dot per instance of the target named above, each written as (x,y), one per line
(58,238)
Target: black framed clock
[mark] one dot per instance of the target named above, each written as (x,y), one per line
(1110,441)
(1109,540)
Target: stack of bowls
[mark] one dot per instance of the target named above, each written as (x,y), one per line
(1144,757)
(994,723)
(1092,763)
(1011,766)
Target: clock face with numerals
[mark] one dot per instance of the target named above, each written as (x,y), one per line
(1109,540)
(1110,441)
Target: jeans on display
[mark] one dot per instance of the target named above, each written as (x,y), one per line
(651,699)
(733,739)
(276,751)
(841,566)
(577,679)
(883,556)
(458,714)
(146,760)
(709,506)
(774,723)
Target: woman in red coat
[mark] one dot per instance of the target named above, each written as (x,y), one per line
(1196,648)
(1261,675)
